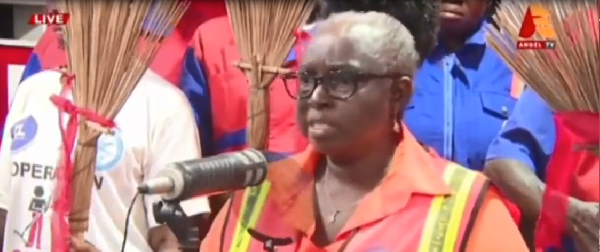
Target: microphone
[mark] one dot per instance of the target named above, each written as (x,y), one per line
(205,176)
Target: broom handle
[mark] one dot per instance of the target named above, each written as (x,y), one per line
(263,69)
(258,102)
(258,108)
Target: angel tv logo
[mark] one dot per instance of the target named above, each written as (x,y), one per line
(536,24)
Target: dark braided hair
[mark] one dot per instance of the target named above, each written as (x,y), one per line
(420,17)
(492,11)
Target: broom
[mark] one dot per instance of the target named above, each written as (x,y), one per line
(109,46)
(566,76)
(264,31)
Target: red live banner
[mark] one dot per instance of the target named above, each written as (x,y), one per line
(51,18)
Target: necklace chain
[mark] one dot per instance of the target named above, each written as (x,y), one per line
(336,211)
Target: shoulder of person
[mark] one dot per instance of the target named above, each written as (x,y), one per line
(460,167)
(166,93)
(44,81)
(162,96)
(478,175)
(208,27)
(211,34)
(446,164)
(41,84)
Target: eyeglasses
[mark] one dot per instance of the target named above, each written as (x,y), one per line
(339,84)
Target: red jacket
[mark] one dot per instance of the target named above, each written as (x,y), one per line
(169,58)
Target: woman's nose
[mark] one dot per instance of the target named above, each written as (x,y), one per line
(319,97)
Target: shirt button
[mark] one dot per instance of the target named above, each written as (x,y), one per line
(504,110)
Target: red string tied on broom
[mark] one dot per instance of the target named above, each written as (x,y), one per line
(66,172)
(571,172)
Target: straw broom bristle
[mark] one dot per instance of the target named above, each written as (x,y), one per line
(108,51)
(567,76)
(264,30)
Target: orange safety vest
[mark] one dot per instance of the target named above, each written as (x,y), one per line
(229,91)
(445,227)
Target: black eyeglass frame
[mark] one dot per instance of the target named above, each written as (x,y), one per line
(344,76)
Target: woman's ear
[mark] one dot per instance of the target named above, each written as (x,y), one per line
(400,87)
(406,89)
(401,92)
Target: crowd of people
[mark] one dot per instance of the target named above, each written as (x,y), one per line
(405,132)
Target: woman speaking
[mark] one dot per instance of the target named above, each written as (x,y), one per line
(364,183)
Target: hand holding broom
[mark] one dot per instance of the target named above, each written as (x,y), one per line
(567,78)
(109,46)
(584,222)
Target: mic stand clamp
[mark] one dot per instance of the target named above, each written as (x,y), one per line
(181,225)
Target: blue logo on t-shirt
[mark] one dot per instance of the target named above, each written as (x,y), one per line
(111,151)
(22,133)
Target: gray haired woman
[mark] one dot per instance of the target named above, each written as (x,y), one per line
(364,183)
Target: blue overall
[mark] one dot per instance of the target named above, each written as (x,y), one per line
(529,134)
(461,101)
(529,137)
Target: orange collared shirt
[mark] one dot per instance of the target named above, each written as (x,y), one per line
(388,219)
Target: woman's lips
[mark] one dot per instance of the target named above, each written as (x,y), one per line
(319,129)
(450,15)
(450,11)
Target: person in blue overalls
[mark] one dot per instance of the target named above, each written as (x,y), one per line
(516,163)
(463,90)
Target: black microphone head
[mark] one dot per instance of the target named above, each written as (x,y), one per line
(225,172)
(253,163)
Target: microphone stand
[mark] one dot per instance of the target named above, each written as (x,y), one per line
(181,225)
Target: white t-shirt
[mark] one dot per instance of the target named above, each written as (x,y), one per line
(155,127)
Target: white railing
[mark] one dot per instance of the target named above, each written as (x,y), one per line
(24,2)
(17,42)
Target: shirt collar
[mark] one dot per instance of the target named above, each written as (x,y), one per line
(478,39)
(412,171)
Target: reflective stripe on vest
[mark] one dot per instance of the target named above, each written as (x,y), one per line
(252,205)
(442,227)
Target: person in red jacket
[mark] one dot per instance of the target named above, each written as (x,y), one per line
(218,91)
(49,53)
